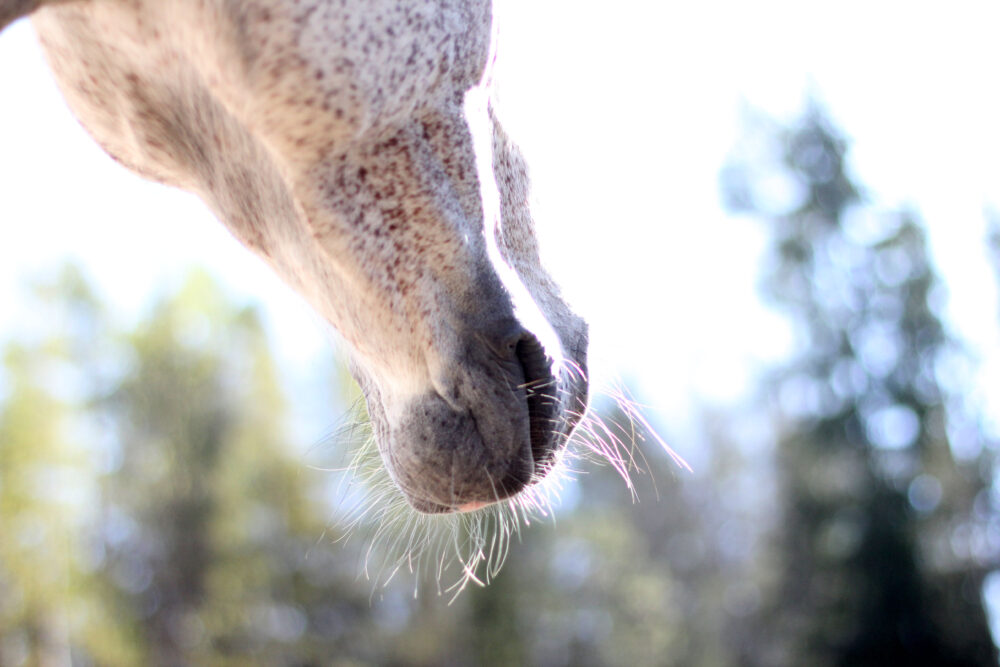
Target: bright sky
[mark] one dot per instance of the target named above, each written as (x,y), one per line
(626,117)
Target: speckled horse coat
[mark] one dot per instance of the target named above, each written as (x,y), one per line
(352,145)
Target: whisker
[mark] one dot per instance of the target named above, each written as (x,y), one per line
(631,408)
(456,550)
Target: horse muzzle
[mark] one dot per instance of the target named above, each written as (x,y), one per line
(491,427)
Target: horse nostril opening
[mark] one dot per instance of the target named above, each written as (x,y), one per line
(540,387)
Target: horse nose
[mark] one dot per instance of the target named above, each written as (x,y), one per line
(541,394)
(485,432)
(533,371)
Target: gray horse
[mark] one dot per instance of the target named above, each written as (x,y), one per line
(352,145)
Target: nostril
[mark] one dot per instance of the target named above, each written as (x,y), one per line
(540,388)
(532,356)
(510,341)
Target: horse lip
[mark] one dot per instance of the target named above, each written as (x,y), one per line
(430,507)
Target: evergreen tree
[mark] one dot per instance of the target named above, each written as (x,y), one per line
(878,503)
(52,604)
(220,515)
(152,511)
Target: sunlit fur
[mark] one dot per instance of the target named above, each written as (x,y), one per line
(449,551)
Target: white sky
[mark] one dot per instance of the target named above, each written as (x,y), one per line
(626,116)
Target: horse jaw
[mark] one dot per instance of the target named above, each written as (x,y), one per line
(344,144)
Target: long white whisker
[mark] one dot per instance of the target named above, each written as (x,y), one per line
(457,550)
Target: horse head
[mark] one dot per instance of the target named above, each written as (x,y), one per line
(353,146)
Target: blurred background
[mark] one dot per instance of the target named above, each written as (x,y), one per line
(782,220)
